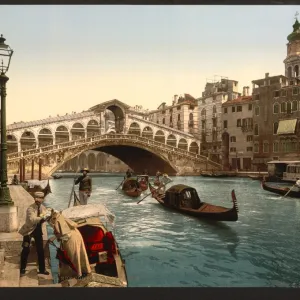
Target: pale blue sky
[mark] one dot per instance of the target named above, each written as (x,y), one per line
(70,58)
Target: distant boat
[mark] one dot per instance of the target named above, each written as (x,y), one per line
(57,176)
(131,187)
(32,186)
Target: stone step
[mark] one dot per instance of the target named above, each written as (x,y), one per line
(10,272)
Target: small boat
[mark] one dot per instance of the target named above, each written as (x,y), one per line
(280,190)
(217,175)
(256,177)
(32,186)
(57,176)
(143,181)
(131,187)
(108,267)
(185,199)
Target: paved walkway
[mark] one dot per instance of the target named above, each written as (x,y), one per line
(11,247)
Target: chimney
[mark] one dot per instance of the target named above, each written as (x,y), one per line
(267,75)
(244,91)
(175,99)
(247,89)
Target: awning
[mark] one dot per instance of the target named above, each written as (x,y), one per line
(287,126)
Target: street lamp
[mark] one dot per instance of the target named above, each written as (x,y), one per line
(5,56)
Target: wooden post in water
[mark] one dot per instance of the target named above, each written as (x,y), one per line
(23,169)
(32,169)
(40,169)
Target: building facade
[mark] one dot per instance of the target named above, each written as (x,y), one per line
(237,119)
(210,115)
(181,115)
(277,110)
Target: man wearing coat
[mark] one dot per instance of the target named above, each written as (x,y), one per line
(85,186)
(36,215)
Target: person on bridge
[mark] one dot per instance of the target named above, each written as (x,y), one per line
(85,186)
(36,215)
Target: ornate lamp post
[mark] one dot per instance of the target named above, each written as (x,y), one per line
(5,56)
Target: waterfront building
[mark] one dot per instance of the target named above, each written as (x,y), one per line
(237,122)
(215,94)
(276,110)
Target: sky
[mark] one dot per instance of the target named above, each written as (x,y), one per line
(71,57)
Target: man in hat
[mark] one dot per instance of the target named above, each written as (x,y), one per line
(36,215)
(85,186)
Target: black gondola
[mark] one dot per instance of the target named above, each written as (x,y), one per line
(280,190)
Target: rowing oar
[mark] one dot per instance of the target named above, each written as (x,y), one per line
(73,187)
(151,192)
(288,191)
(121,183)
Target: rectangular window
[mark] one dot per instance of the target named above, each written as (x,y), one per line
(249,138)
(266,147)
(276,93)
(295,91)
(249,149)
(249,106)
(256,147)
(225,110)
(239,108)
(256,110)
(232,149)
(238,123)
(225,124)
(256,97)
(233,109)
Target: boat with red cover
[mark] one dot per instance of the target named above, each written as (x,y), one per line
(131,187)
(143,181)
(108,267)
(281,190)
(185,199)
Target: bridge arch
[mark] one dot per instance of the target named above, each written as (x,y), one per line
(182,144)
(77,131)
(160,136)
(45,137)
(12,143)
(82,161)
(194,148)
(92,127)
(119,115)
(28,140)
(171,140)
(91,161)
(62,134)
(134,128)
(147,132)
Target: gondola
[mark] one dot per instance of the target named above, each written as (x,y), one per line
(143,181)
(256,177)
(216,175)
(280,190)
(185,199)
(131,187)
(108,267)
(57,176)
(32,186)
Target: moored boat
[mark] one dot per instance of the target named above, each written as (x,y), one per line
(185,199)
(108,267)
(57,176)
(32,186)
(131,187)
(281,190)
(256,177)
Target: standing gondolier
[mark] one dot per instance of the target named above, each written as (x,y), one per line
(36,215)
(85,186)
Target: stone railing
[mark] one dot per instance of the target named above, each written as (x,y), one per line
(109,137)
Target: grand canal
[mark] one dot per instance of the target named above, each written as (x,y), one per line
(167,249)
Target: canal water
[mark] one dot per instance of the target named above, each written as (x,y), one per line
(167,249)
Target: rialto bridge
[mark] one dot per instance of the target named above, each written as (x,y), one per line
(112,127)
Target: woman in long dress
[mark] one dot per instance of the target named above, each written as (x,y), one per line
(66,231)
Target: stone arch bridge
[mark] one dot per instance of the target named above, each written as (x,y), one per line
(125,134)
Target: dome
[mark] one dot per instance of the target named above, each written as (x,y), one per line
(295,35)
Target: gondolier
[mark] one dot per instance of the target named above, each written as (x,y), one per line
(85,186)
(297,184)
(36,215)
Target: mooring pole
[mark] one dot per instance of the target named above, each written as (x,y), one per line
(40,169)
(20,169)
(32,169)
(23,169)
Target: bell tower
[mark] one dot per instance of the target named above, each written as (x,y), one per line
(292,60)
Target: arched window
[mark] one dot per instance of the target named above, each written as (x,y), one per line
(276,108)
(294,105)
(163,120)
(275,127)
(256,147)
(256,110)
(283,107)
(296,70)
(275,147)
(203,112)
(233,139)
(289,107)
(214,109)
(289,72)
(266,147)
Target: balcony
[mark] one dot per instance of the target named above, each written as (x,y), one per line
(246,128)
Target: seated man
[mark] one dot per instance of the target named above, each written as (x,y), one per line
(15,180)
